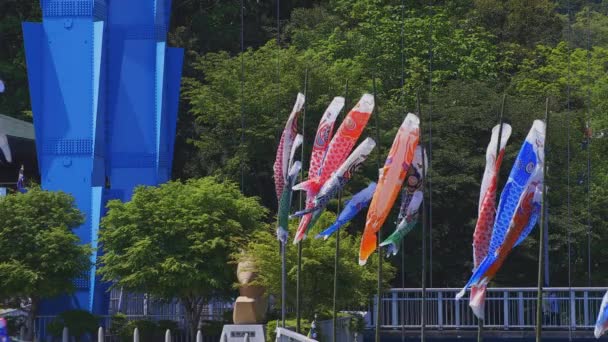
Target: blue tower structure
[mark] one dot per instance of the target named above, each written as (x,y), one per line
(104,89)
(143,91)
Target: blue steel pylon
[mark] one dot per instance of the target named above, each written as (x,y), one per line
(105,90)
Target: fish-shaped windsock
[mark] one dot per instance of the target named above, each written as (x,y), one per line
(601,325)
(359,201)
(281,163)
(412,197)
(340,146)
(399,159)
(519,204)
(487,210)
(319,149)
(286,196)
(339,178)
(2,87)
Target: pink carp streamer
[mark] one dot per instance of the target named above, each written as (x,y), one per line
(338,150)
(290,140)
(487,211)
(281,163)
(319,149)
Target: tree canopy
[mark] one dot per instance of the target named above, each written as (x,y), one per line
(174,241)
(39,253)
(356,284)
(458,59)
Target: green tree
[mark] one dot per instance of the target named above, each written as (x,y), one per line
(175,241)
(356,284)
(39,253)
(15,101)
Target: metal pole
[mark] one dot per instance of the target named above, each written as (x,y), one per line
(430,151)
(283,283)
(337,252)
(298,289)
(299,262)
(403,293)
(283,261)
(500,123)
(402,46)
(541,254)
(588,133)
(424,229)
(379,287)
(336,265)
(242,92)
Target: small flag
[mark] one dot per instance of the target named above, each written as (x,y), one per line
(2,87)
(21,181)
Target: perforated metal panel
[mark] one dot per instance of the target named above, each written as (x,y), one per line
(67,147)
(74,8)
(82,282)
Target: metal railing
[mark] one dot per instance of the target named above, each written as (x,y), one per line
(505,308)
(179,335)
(140,304)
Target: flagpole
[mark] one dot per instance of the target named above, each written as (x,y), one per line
(500,124)
(379,286)
(543,218)
(336,265)
(424,228)
(299,262)
(337,251)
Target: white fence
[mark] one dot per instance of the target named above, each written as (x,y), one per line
(505,308)
(179,335)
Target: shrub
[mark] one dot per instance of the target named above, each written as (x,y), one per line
(78,322)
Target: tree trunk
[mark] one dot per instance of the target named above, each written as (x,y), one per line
(31,319)
(192,315)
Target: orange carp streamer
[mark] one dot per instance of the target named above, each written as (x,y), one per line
(391,178)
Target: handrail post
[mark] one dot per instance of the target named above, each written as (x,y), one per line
(374,318)
(505,309)
(394,306)
(457,313)
(572,310)
(65,336)
(586,307)
(520,308)
(440,310)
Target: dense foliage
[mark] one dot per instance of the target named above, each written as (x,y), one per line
(475,50)
(356,285)
(174,241)
(39,253)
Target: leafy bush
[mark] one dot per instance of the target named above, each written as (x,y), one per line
(212,328)
(148,330)
(271,327)
(78,322)
(163,325)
